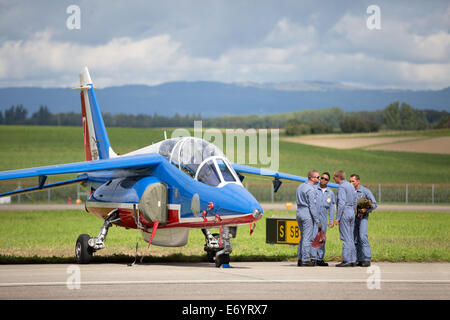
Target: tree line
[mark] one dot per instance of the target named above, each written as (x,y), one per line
(396,116)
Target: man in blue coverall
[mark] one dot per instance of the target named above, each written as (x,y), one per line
(306,216)
(361,232)
(345,218)
(325,202)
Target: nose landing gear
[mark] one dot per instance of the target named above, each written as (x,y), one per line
(218,246)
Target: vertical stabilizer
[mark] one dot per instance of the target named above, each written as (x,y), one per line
(96,141)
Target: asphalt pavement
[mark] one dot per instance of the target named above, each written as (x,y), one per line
(242,281)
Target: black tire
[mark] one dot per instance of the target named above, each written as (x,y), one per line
(211,256)
(83,252)
(222,259)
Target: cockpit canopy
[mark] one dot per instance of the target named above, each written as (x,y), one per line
(198,158)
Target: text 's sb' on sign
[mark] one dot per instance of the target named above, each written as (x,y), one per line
(282,230)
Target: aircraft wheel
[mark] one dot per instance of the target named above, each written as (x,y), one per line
(211,256)
(83,252)
(222,259)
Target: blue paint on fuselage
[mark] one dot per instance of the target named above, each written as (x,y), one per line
(230,199)
(102,142)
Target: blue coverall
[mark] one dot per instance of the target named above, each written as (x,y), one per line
(306,216)
(346,207)
(361,231)
(325,202)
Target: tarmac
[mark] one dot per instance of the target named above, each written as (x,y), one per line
(242,281)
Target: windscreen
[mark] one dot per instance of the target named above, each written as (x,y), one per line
(226,173)
(190,152)
(166,147)
(208,174)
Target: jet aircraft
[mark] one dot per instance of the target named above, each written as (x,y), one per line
(165,189)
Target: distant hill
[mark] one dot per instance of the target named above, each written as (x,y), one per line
(212,99)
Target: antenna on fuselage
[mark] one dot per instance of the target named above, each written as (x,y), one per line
(165,135)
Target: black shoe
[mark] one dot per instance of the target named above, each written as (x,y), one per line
(321,263)
(346,264)
(364,264)
(314,262)
(305,264)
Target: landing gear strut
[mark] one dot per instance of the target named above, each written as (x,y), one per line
(218,246)
(86,246)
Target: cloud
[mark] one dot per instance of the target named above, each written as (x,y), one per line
(119,61)
(397,40)
(287,45)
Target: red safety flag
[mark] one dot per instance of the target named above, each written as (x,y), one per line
(155,226)
(319,240)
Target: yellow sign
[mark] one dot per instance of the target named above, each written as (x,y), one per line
(288,231)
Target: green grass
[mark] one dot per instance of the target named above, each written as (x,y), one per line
(30,146)
(49,236)
(372,166)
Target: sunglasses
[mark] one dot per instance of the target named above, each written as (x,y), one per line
(322,178)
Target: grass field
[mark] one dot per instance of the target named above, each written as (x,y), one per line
(395,236)
(28,146)
(49,236)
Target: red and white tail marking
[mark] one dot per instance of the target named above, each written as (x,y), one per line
(90,152)
(90,140)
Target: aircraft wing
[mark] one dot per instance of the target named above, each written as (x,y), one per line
(270,173)
(120,163)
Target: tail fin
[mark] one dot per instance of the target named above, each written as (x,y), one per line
(96,141)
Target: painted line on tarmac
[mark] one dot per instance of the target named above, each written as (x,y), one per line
(88,283)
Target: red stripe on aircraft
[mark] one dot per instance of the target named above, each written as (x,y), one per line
(127,220)
(87,145)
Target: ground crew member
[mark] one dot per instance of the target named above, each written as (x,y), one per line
(345,218)
(306,217)
(325,202)
(361,232)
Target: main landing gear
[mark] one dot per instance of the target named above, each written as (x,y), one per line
(218,246)
(86,246)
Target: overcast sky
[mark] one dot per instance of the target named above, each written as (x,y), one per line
(151,42)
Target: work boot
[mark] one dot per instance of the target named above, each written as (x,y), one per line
(364,264)
(321,263)
(305,264)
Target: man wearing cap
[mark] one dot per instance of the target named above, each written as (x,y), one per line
(306,216)
(325,202)
(345,218)
(361,232)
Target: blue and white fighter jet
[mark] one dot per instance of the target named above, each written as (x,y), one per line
(164,189)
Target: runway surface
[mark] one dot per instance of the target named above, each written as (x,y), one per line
(243,281)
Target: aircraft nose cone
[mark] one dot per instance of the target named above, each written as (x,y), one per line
(257,213)
(235,198)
